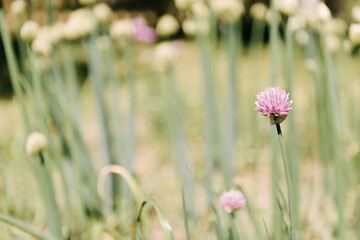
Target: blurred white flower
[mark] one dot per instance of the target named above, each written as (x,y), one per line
(167,25)
(354,34)
(287,7)
(35,143)
(296,22)
(29,31)
(200,10)
(165,53)
(184,5)
(189,27)
(258,11)
(228,11)
(122,29)
(302,37)
(269,16)
(336,26)
(57,32)
(102,13)
(18,7)
(323,12)
(355,13)
(42,44)
(80,24)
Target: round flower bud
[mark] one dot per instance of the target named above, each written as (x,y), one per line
(28,31)
(355,13)
(18,7)
(102,13)
(80,24)
(258,11)
(323,12)
(354,34)
(42,44)
(200,10)
(57,33)
(228,11)
(232,200)
(164,54)
(184,5)
(35,143)
(287,7)
(296,22)
(167,25)
(189,27)
(122,29)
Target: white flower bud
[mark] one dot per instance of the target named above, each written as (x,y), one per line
(18,7)
(302,37)
(57,32)
(323,12)
(200,10)
(354,34)
(29,31)
(258,11)
(122,29)
(42,44)
(189,27)
(296,22)
(167,25)
(102,13)
(164,54)
(355,13)
(228,11)
(80,24)
(184,5)
(35,143)
(287,7)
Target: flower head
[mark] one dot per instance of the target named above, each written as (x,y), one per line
(275,103)
(228,11)
(36,143)
(167,25)
(232,200)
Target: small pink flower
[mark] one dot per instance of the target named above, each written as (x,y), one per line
(232,200)
(143,33)
(275,103)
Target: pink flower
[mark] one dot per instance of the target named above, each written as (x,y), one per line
(143,33)
(275,103)
(232,200)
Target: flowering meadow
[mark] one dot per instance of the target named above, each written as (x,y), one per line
(214,119)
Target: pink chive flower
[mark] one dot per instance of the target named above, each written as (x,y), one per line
(142,32)
(232,200)
(275,103)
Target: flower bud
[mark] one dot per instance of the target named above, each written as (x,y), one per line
(167,25)
(258,11)
(164,54)
(355,13)
(42,44)
(189,27)
(18,7)
(228,11)
(102,13)
(354,34)
(122,29)
(200,10)
(323,12)
(36,143)
(28,31)
(287,7)
(80,24)
(184,5)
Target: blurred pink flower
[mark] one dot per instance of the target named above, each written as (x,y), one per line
(232,200)
(275,103)
(142,32)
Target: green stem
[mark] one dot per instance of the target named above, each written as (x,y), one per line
(25,227)
(289,185)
